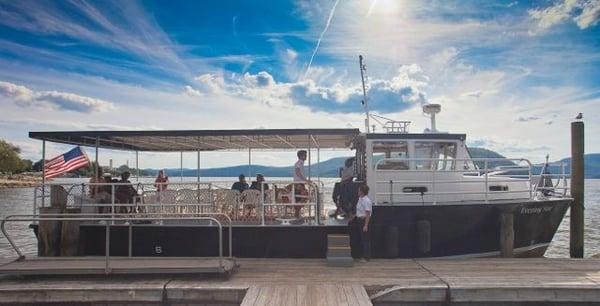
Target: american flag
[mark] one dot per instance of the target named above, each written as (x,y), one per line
(67,162)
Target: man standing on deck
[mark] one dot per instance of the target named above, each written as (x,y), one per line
(300,190)
(359,226)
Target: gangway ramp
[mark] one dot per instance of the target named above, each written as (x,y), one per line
(118,265)
(295,295)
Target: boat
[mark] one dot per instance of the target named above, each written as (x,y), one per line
(430,199)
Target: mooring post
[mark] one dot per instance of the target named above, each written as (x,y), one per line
(507,234)
(577,183)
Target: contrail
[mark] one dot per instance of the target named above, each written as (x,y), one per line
(321,36)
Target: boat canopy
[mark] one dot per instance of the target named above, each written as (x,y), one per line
(205,140)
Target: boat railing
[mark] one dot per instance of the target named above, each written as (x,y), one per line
(400,179)
(127,219)
(274,202)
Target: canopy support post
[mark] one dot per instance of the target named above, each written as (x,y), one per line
(137,166)
(198,167)
(43,172)
(318,164)
(249,162)
(309,162)
(96,158)
(181,166)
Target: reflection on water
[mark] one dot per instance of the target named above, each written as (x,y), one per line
(20,201)
(560,244)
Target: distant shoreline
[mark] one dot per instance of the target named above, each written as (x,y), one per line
(19,180)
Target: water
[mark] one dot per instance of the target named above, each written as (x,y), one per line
(20,201)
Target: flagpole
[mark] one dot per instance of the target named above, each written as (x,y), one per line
(43,171)
(96,166)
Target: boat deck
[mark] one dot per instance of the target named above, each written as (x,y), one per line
(312,282)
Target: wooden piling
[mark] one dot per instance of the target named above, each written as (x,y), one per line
(69,236)
(507,234)
(577,189)
(49,234)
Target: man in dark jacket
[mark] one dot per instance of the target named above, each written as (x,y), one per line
(241,184)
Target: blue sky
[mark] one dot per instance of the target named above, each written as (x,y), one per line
(510,74)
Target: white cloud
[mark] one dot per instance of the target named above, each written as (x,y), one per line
(590,15)
(405,89)
(190,91)
(26,97)
(584,13)
(291,54)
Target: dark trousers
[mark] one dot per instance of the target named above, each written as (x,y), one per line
(360,242)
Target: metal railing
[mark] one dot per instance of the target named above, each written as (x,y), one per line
(118,217)
(436,173)
(188,197)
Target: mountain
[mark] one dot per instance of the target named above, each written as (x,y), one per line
(592,165)
(330,167)
(485,153)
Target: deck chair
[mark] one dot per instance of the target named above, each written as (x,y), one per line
(250,199)
(186,198)
(226,201)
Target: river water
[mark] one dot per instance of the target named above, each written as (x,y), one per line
(20,201)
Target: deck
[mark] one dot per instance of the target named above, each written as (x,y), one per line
(312,282)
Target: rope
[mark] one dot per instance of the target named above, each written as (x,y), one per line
(448,293)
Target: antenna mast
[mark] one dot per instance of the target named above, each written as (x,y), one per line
(365,101)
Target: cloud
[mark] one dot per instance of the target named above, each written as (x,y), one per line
(291,54)
(508,146)
(26,97)
(404,90)
(190,91)
(584,13)
(526,119)
(590,15)
(117,25)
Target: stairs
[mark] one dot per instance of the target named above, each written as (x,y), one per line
(338,251)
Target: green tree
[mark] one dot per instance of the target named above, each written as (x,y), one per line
(26,165)
(9,157)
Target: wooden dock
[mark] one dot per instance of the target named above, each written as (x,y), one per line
(312,282)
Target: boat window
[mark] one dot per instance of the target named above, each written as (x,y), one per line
(441,153)
(390,151)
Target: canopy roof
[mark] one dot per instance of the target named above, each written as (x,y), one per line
(205,140)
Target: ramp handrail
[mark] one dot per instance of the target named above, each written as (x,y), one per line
(116,217)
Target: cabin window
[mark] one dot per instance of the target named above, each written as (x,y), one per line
(390,152)
(443,155)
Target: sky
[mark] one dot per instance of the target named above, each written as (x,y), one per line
(512,75)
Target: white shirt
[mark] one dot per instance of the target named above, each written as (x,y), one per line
(364,204)
(299,165)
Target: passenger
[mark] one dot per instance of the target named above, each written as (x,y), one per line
(105,192)
(258,184)
(96,179)
(344,195)
(161,181)
(359,226)
(300,190)
(241,184)
(125,193)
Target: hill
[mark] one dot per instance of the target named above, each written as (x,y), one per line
(592,164)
